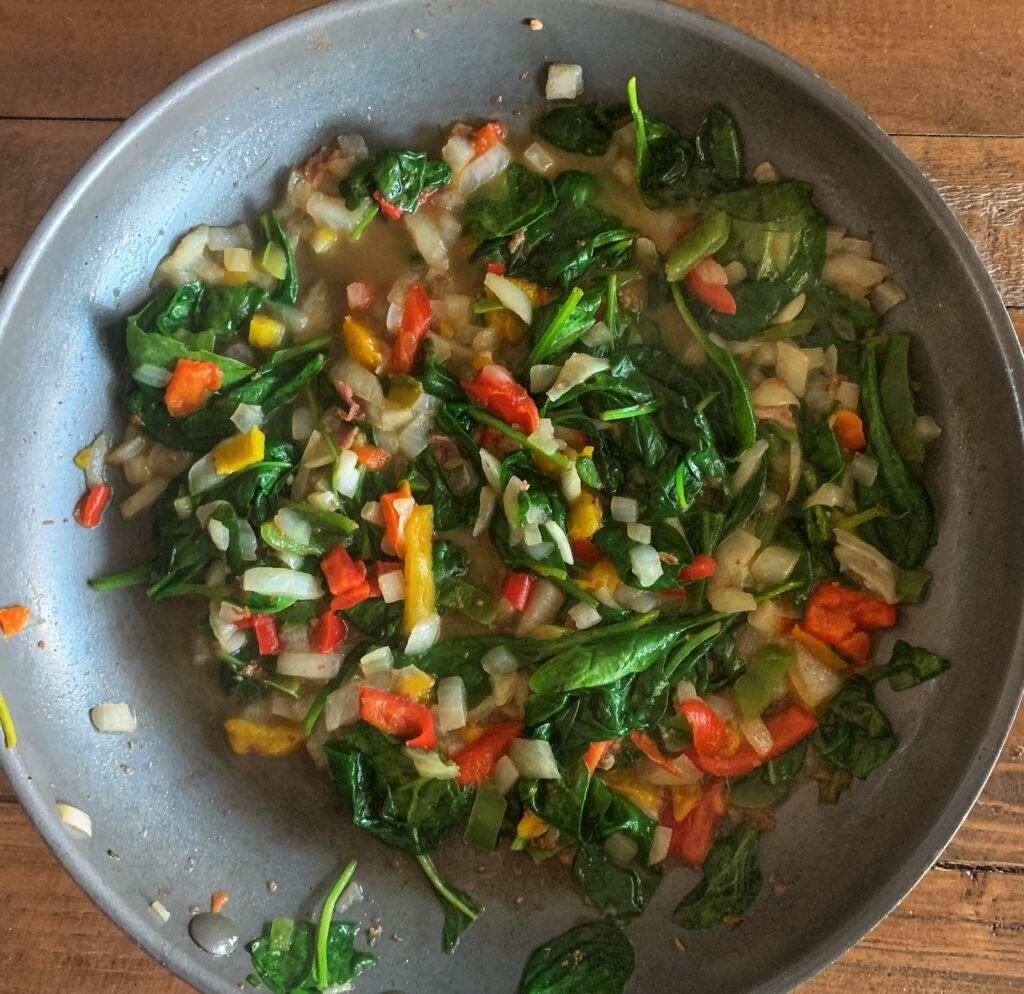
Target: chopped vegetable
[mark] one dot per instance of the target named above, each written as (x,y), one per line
(190,386)
(399,716)
(89,509)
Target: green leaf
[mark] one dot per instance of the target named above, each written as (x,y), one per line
(594,958)
(400,175)
(898,401)
(293,970)
(853,733)
(287,290)
(460,908)
(585,129)
(732,880)
(910,666)
(511,201)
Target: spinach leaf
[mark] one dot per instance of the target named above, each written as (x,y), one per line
(293,970)
(594,958)
(460,909)
(436,380)
(663,158)
(821,450)
(909,666)
(400,176)
(287,290)
(227,308)
(559,802)
(583,128)
(732,880)
(613,541)
(718,144)
(511,201)
(375,618)
(559,323)
(909,531)
(756,304)
(387,795)
(840,321)
(898,401)
(853,733)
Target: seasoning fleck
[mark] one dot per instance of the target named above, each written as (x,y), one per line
(193,909)
(534,23)
(397,937)
(374,931)
(218,899)
(678,943)
(271,886)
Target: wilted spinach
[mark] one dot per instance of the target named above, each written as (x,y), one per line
(853,733)
(595,958)
(909,666)
(399,175)
(583,128)
(293,970)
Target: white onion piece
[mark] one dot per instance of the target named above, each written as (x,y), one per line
(331,212)
(773,393)
(543,441)
(848,395)
(731,600)
(852,274)
(347,473)
(457,151)
(646,564)
(537,550)
(792,366)
(492,469)
(621,848)
(184,262)
(292,525)
(247,416)
(377,661)
(926,429)
(488,501)
(431,766)
(539,157)
(685,772)
(160,910)
(732,557)
(561,540)
(275,582)
(686,690)
(543,376)
(483,169)
(219,534)
(342,706)
(510,295)
(773,566)
(129,448)
(572,485)
(97,455)
(876,572)
(427,240)
(143,498)
(392,586)
(204,475)
(639,533)
(151,376)
(363,383)
(796,464)
(114,719)
(597,335)
(827,495)
(755,731)
(534,759)
(564,82)
(640,601)
(504,775)
(864,469)
(136,471)
(624,509)
(584,616)
(791,311)
(886,296)
(451,703)
(423,635)
(545,600)
(324,500)
(309,665)
(78,823)
(749,463)
(660,840)
(813,681)
(578,368)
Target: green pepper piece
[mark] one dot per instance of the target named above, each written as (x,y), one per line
(707,238)
(755,688)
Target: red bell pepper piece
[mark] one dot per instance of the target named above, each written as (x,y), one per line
(849,430)
(191,384)
(330,632)
(715,295)
(516,588)
(268,640)
(387,208)
(596,751)
(585,551)
(13,619)
(477,759)
(488,136)
(649,748)
(89,509)
(346,579)
(701,568)
(398,715)
(416,317)
(836,614)
(498,268)
(710,734)
(693,836)
(787,728)
(495,389)
(371,456)
(394,522)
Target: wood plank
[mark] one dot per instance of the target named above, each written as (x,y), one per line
(957,932)
(982,180)
(917,66)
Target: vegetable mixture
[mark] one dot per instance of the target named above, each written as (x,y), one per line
(550,491)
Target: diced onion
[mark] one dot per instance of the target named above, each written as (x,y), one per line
(578,368)
(827,495)
(564,82)
(342,706)
(510,295)
(765,172)
(77,821)
(273,581)
(624,509)
(572,486)
(749,463)
(792,366)
(457,151)
(731,600)
(362,382)
(347,473)
(545,600)
(539,157)
(732,557)
(813,681)
(219,534)
(926,429)
(886,296)
(302,424)
(427,240)
(791,311)
(534,759)
(584,616)
(735,272)
(114,719)
(504,775)
(755,731)
(686,690)
(128,449)
(236,236)
(639,533)
(852,274)
(431,766)
(848,395)
(876,572)
(498,661)
(561,540)
(864,468)
(646,564)
(621,848)
(247,416)
(423,635)
(451,703)
(773,566)
(203,475)
(143,498)
(293,526)
(542,377)
(773,393)
(655,774)
(483,169)
(309,665)
(160,911)
(640,601)
(392,586)
(660,840)
(331,212)
(597,335)
(97,456)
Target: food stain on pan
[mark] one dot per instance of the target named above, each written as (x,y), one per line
(213,933)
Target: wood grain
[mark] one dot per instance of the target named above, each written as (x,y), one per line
(915,65)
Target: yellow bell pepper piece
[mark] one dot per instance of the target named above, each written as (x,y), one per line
(404,391)
(684,799)
(445,329)
(818,649)
(601,576)
(82,457)
(238,260)
(265,332)
(411,681)
(263,738)
(585,515)
(482,359)
(322,239)
(534,294)
(362,345)
(471,732)
(644,795)
(512,327)
(531,826)
(234,278)
(420,595)
(588,450)
(236,453)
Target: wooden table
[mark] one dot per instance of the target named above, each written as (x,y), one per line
(943,78)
